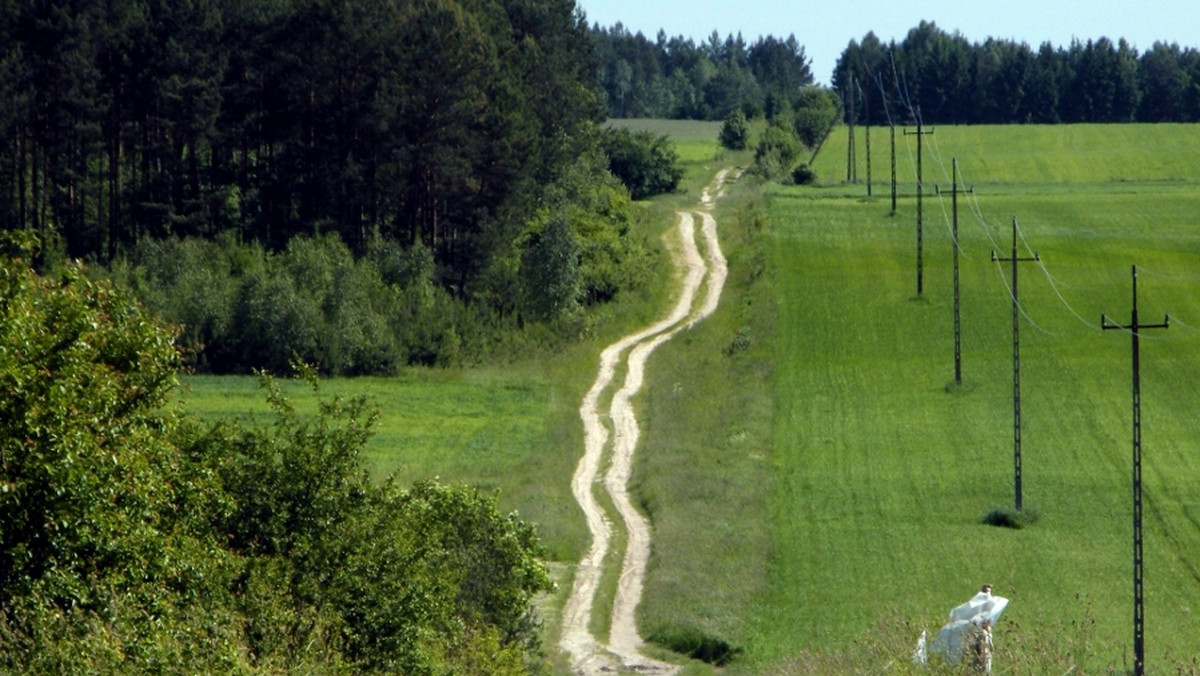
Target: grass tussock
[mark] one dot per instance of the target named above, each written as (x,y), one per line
(1009,517)
(696,644)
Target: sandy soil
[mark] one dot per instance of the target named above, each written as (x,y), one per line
(588,655)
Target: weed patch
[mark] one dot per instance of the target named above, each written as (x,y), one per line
(1009,517)
(696,644)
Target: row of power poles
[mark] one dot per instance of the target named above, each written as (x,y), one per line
(1133,328)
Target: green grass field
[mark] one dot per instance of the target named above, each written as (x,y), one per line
(695,140)
(816,488)
(492,429)
(879,474)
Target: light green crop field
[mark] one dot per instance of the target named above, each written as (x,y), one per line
(695,140)
(881,473)
(492,429)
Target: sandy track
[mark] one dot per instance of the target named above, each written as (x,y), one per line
(588,655)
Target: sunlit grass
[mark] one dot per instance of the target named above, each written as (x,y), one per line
(817,493)
(1050,156)
(882,476)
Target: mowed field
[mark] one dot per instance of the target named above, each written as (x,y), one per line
(881,473)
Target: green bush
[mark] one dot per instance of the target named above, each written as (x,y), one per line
(191,283)
(275,320)
(777,151)
(136,539)
(551,276)
(816,114)
(647,164)
(804,175)
(735,132)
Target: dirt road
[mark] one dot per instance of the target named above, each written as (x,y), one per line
(588,655)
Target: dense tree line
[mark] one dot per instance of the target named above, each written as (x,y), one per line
(947,79)
(422,146)
(436,122)
(241,305)
(139,539)
(677,78)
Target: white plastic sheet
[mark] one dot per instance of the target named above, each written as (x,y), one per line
(968,622)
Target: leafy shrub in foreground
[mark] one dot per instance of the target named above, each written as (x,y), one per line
(136,539)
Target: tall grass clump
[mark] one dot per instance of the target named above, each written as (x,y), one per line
(1010,517)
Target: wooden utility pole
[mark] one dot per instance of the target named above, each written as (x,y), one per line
(1139,616)
(919,133)
(1016,333)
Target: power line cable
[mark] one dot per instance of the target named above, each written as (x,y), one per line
(1063,300)
(883,97)
(937,155)
(977,211)
(1170,277)
(1176,320)
(950,226)
(1021,308)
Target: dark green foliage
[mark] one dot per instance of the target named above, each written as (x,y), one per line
(949,80)
(136,539)
(241,307)
(735,132)
(804,175)
(696,644)
(552,277)
(1008,517)
(678,78)
(816,113)
(611,258)
(647,164)
(271,120)
(777,151)
(275,321)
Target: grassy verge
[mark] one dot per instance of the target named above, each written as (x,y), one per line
(703,465)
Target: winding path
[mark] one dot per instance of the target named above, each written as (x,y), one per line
(588,655)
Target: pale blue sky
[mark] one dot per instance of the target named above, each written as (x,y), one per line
(826,27)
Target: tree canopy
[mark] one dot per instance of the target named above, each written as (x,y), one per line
(678,78)
(948,80)
(360,183)
(434,121)
(943,75)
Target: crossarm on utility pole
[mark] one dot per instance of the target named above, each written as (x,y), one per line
(920,132)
